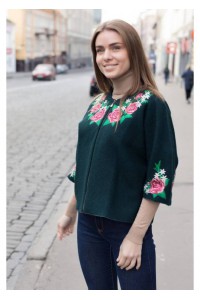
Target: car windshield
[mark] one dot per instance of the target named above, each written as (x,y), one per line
(43,68)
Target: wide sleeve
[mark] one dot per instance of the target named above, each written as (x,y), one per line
(161,152)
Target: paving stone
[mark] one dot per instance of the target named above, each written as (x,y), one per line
(41,141)
(23,246)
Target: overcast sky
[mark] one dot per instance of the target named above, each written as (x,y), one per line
(129,15)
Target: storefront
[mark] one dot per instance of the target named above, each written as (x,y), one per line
(186,51)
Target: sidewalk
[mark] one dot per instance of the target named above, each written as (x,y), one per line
(54,265)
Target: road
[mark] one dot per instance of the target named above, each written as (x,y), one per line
(41,138)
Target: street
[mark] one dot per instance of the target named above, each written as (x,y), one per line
(41,137)
(42,119)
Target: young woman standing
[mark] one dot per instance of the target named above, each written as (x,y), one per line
(125,166)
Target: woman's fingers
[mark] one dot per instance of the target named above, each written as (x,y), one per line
(123,261)
(129,260)
(135,262)
(138,265)
(131,265)
(62,232)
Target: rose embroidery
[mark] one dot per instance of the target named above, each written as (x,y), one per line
(129,107)
(114,116)
(138,96)
(156,186)
(99,115)
(95,107)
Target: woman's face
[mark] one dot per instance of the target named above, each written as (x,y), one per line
(111,55)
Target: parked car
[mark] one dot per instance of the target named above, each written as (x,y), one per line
(94,89)
(62,69)
(44,71)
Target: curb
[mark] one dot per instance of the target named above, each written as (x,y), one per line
(41,245)
(38,252)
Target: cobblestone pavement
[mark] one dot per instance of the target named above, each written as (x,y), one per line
(42,122)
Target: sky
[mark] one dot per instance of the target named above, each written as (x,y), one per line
(129,15)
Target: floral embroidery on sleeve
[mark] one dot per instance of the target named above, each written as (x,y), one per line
(157,185)
(72,173)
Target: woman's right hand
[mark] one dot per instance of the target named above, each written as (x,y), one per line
(65,226)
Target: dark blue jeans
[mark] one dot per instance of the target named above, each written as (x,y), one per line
(99,240)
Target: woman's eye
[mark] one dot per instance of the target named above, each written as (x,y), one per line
(99,50)
(116,48)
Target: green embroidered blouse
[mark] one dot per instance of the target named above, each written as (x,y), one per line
(117,166)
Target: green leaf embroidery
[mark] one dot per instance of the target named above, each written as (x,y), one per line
(122,119)
(106,122)
(166,181)
(157,166)
(162,195)
(127,116)
(98,122)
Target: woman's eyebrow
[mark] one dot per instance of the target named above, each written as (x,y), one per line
(112,44)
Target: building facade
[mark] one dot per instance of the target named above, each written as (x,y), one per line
(53,36)
(80,25)
(168,38)
(10,47)
(40,37)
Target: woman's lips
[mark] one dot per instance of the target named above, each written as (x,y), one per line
(108,67)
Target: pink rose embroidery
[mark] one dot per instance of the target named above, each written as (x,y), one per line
(114,116)
(99,115)
(139,96)
(157,186)
(131,108)
(96,107)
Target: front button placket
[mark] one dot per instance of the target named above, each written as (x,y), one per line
(99,127)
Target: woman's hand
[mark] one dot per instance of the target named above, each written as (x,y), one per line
(65,226)
(129,255)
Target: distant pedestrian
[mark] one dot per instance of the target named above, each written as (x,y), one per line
(125,166)
(188,77)
(166,74)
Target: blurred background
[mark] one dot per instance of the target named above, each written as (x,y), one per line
(63,37)
(50,83)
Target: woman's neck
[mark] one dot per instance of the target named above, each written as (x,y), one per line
(122,85)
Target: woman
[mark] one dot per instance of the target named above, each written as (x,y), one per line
(125,166)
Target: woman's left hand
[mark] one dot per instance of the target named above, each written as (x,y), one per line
(129,255)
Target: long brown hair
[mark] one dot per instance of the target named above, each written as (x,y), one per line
(142,76)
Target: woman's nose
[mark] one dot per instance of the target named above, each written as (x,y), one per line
(107,54)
